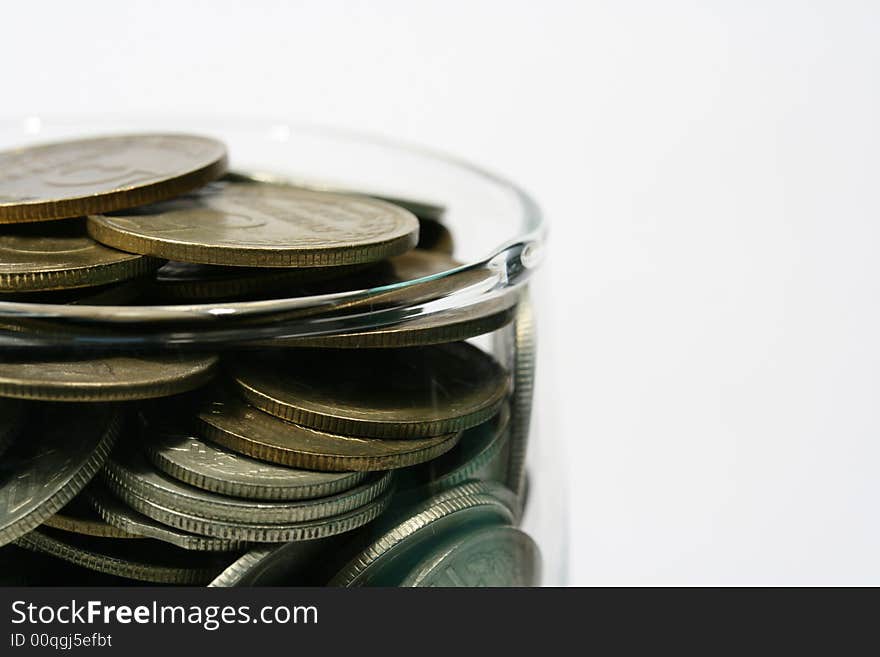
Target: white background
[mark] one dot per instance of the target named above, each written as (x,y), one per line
(710,326)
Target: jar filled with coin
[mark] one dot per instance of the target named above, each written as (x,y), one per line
(243,355)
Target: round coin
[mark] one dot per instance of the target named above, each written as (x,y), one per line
(62,448)
(496,556)
(287,564)
(102,174)
(232,423)
(148,561)
(523,382)
(129,468)
(249,531)
(120,516)
(78,517)
(213,468)
(38,258)
(451,325)
(112,378)
(392,394)
(386,561)
(472,458)
(262,225)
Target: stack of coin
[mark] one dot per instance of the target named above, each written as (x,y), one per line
(391,454)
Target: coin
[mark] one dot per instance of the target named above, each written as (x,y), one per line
(396,393)
(249,531)
(129,468)
(262,225)
(287,564)
(37,258)
(149,561)
(452,325)
(472,458)
(12,414)
(213,468)
(101,174)
(62,449)
(78,517)
(497,556)
(385,562)
(420,208)
(127,519)
(241,428)
(523,382)
(111,378)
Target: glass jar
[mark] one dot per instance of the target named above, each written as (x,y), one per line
(448,520)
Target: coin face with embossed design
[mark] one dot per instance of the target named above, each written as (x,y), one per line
(262,225)
(102,174)
(111,378)
(37,258)
(497,556)
(61,450)
(408,537)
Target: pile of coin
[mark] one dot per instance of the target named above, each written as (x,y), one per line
(386,454)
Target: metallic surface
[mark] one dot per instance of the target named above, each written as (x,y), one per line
(127,519)
(497,556)
(60,256)
(262,225)
(232,423)
(380,563)
(86,176)
(392,394)
(147,561)
(129,468)
(213,468)
(57,455)
(112,378)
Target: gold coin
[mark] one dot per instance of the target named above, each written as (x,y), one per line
(79,518)
(262,225)
(394,393)
(111,378)
(37,258)
(102,174)
(235,425)
(451,325)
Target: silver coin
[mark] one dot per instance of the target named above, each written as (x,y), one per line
(213,468)
(129,468)
(60,450)
(119,515)
(384,562)
(497,556)
(147,561)
(287,564)
(253,532)
(523,391)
